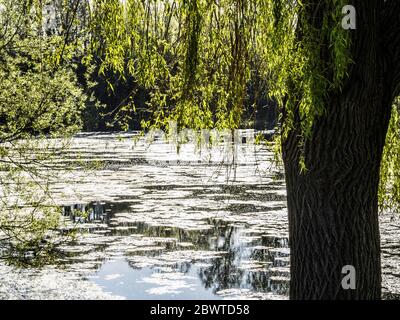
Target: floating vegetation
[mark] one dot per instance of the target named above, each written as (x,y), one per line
(216,236)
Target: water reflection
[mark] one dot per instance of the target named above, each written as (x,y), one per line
(243,260)
(211,227)
(95,211)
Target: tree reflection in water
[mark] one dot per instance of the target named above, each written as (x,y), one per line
(249,261)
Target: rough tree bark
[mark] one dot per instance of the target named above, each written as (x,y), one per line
(333,211)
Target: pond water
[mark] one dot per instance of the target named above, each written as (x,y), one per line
(155,223)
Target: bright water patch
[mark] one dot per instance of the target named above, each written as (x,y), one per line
(169,262)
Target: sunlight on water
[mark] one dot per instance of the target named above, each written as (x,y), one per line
(158,224)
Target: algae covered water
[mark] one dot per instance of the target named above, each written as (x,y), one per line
(163,224)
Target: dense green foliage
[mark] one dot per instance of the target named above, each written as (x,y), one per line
(36,99)
(39,92)
(195,59)
(39,98)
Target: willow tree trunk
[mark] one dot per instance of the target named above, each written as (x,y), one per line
(333,210)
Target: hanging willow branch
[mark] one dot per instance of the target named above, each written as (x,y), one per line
(199,69)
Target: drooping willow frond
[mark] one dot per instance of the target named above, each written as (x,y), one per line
(389,189)
(198,58)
